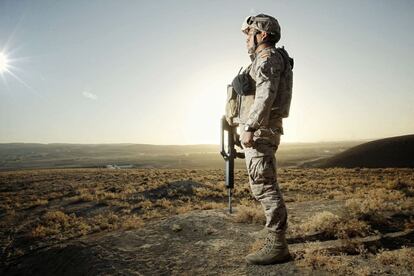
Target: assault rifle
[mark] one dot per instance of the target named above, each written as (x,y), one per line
(229,153)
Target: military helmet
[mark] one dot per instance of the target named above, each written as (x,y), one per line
(261,22)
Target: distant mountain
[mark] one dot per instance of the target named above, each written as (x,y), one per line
(394,152)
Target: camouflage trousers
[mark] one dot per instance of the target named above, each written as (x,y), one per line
(261,167)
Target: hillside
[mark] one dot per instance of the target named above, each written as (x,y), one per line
(394,152)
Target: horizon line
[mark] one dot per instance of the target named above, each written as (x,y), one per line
(201,144)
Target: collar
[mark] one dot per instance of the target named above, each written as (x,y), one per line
(262,52)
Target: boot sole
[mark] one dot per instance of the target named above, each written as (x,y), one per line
(285,258)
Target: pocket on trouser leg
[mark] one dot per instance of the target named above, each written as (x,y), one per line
(262,173)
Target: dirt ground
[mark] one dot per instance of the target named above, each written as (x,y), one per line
(205,242)
(174,222)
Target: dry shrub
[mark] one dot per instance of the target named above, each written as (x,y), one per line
(331,225)
(321,222)
(85,195)
(40,231)
(350,247)
(397,185)
(58,223)
(164,203)
(205,192)
(145,204)
(350,228)
(318,259)
(403,258)
(116,203)
(56,218)
(250,214)
(335,195)
(152,214)
(212,205)
(409,224)
(242,190)
(132,222)
(129,189)
(187,207)
(108,221)
(363,271)
(94,194)
(39,202)
(376,201)
(250,202)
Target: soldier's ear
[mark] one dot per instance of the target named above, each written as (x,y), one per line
(265,36)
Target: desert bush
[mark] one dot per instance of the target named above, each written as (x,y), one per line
(57,223)
(186,207)
(251,202)
(163,203)
(152,214)
(205,192)
(350,228)
(212,205)
(132,222)
(397,185)
(321,222)
(145,204)
(250,214)
(377,201)
(319,259)
(39,202)
(107,221)
(403,258)
(331,225)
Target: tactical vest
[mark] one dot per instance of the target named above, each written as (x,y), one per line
(241,94)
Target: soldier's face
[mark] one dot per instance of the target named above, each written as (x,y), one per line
(250,41)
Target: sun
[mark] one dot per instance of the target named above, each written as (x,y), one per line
(4,62)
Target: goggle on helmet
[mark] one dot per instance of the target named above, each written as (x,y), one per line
(261,22)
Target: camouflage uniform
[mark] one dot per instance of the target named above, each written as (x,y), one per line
(261,113)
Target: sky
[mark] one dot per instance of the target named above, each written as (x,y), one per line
(156,72)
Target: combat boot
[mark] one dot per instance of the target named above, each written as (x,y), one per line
(275,250)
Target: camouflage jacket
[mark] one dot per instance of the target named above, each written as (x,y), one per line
(258,110)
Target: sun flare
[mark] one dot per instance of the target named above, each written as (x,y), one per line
(4,62)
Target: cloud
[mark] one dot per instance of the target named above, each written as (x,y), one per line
(89,95)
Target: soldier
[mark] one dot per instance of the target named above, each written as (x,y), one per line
(269,77)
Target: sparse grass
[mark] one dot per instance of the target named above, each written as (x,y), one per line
(377,201)
(133,222)
(403,257)
(317,259)
(331,225)
(41,204)
(212,205)
(59,224)
(164,203)
(250,214)
(184,208)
